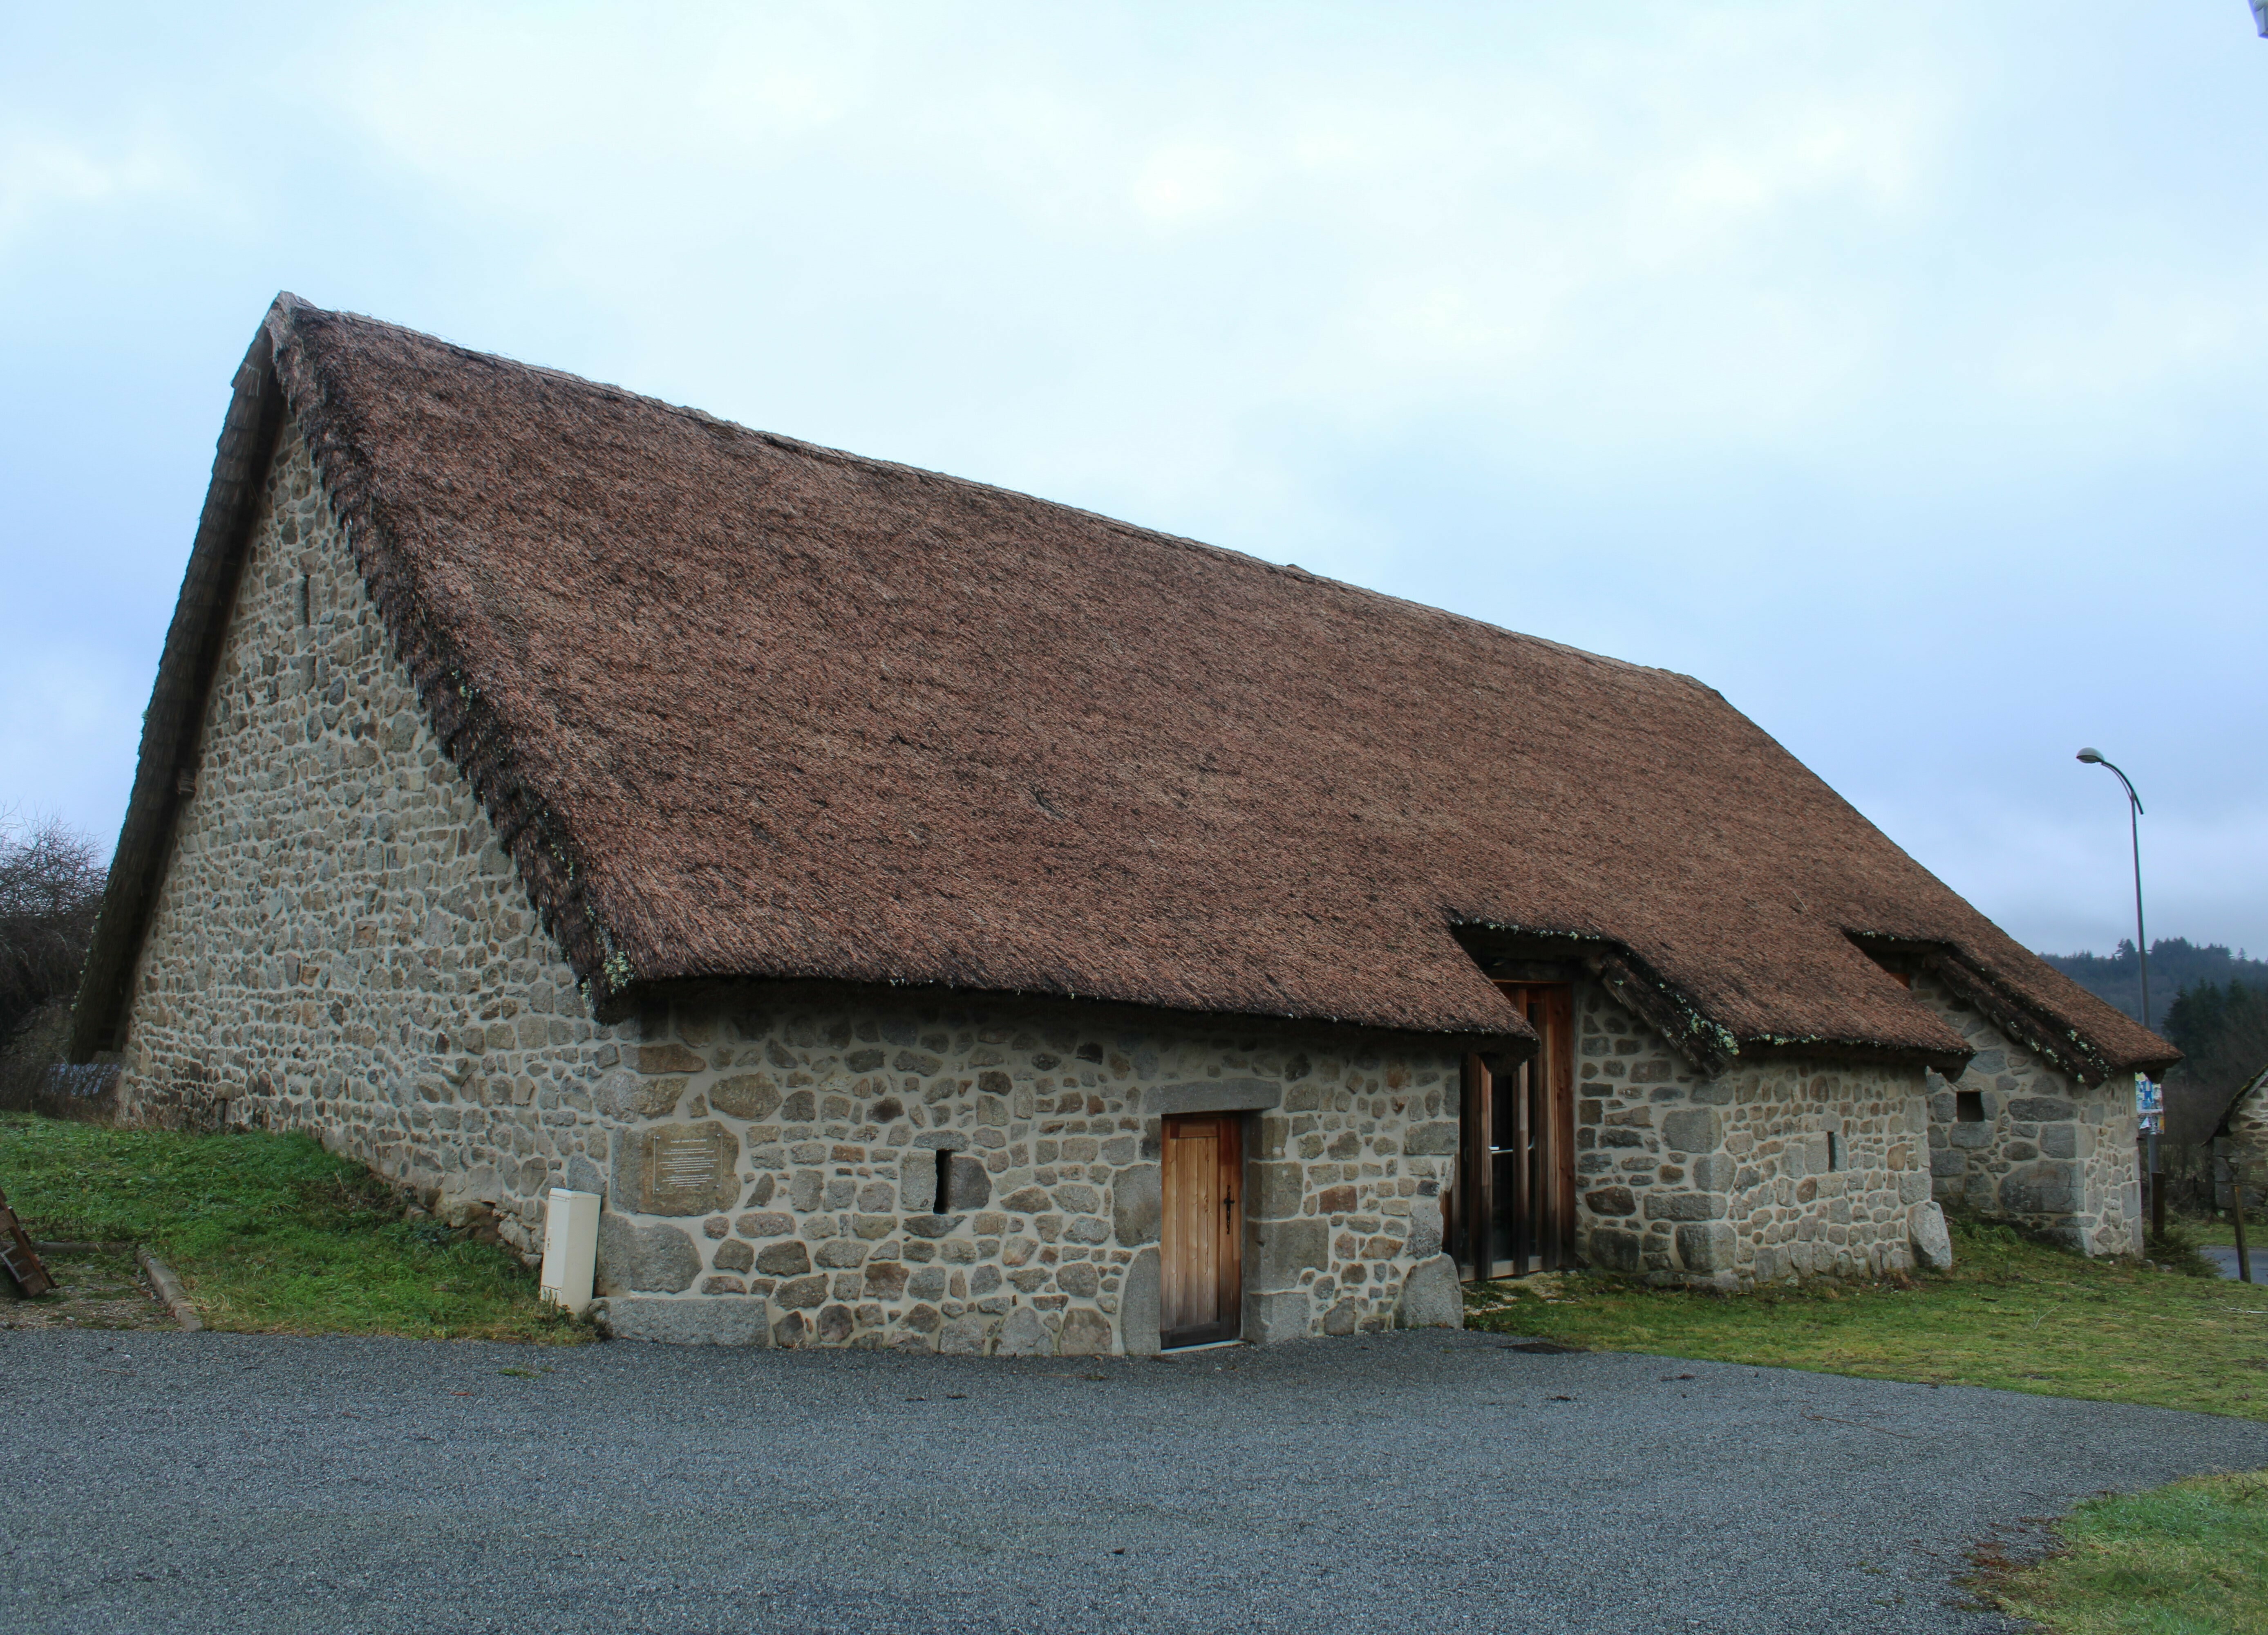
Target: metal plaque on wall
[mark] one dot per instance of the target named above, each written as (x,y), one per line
(686,1170)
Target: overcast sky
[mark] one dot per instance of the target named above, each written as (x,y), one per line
(1898,370)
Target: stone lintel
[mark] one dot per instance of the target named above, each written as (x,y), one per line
(1212,1095)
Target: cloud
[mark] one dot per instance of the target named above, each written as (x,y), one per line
(44,175)
(1897,370)
(1665,243)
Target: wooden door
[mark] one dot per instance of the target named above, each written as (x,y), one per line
(1512,1209)
(1201,1269)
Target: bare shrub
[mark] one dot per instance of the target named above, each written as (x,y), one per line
(51,880)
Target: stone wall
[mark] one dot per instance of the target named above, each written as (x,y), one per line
(339,945)
(2029,1144)
(1769,1171)
(807,1128)
(2248,1121)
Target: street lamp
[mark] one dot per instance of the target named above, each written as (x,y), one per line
(2260,15)
(2094,757)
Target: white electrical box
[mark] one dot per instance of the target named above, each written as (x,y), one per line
(570,1248)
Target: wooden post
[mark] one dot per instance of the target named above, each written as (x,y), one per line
(2237,1213)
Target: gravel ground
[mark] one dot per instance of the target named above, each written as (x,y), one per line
(1431,1482)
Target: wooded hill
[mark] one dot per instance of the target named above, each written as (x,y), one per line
(2209,1002)
(2175,965)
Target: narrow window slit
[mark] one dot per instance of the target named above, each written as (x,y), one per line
(944,1182)
(1834,1151)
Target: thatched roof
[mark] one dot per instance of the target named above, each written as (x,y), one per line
(747,707)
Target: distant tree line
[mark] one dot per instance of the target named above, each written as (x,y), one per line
(2222,1033)
(2176,965)
(2210,1004)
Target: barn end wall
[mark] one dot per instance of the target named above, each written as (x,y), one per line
(1733,1181)
(340,946)
(2042,1150)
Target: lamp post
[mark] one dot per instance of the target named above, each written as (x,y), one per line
(2094,757)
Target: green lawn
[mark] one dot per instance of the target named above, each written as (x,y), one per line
(270,1233)
(2012,1313)
(2187,1560)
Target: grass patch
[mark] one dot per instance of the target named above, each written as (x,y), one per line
(270,1233)
(2012,1313)
(2218,1228)
(2191,1559)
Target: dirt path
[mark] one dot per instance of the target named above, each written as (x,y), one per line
(96,1287)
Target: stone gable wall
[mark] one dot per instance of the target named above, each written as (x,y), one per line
(2048,1153)
(339,945)
(1769,1171)
(836,1110)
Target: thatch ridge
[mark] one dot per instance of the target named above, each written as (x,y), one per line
(744,706)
